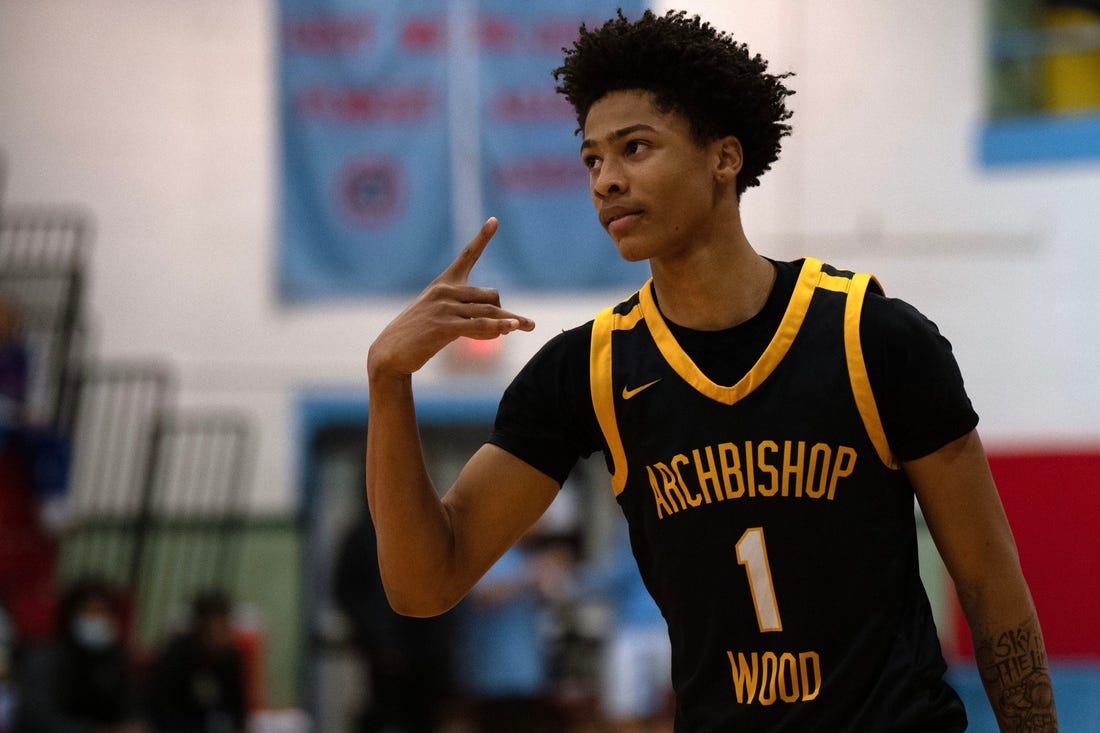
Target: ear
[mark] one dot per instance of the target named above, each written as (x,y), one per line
(729,159)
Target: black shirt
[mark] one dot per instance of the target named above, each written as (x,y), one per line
(546,417)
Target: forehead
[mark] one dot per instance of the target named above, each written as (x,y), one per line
(623,109)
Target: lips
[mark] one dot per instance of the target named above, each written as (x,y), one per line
(616,217)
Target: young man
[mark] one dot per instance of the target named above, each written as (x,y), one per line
(767,425)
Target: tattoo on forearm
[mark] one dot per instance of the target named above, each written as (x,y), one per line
(1013,666)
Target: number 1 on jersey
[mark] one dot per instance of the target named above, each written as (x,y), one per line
(753,555)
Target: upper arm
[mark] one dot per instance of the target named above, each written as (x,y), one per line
(545,416)
(496,498)
(915,378)
(963,510)
(541,428)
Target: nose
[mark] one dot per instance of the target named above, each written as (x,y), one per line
(607,178)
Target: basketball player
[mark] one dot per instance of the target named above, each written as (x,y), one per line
(767,425)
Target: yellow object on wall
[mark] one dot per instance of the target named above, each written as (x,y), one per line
(1072,69)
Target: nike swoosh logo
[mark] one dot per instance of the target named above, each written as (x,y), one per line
(628,393)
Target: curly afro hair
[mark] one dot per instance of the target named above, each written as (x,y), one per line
(692,69)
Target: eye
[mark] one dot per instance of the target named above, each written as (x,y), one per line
(635,146)
(590,161)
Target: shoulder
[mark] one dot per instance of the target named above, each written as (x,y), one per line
(545,416)
(914,376)
(568,342)
(893,323)
(178,646)
(564,356)
(560,367)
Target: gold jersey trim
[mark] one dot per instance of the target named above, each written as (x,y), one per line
(857,371)
(603,392)
(777,348)
(810,278)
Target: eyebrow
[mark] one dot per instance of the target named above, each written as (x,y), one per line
(620,133)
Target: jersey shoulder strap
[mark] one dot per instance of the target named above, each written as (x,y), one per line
(624,316)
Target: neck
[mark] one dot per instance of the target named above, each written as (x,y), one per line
(714,285)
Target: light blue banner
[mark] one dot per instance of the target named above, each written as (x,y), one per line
(532,176)
(366,205)
(405,123)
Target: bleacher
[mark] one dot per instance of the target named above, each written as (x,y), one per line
(130,486)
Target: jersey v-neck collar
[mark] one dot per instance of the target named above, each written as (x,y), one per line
(776,349)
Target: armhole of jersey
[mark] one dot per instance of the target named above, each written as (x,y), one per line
(857,371)
(603,397)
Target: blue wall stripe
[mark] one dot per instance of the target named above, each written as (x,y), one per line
(1043,139)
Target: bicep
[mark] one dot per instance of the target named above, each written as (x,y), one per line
(963,510)
(495,500)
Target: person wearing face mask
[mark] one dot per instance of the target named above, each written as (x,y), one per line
(80,681)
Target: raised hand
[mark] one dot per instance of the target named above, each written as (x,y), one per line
(447,309)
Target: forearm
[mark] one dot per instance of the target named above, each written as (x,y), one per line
(964,513)
(414,534)
(1011,659)
(425,569)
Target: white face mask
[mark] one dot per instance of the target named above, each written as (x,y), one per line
(93,632)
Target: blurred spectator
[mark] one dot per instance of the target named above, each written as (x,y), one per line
(80,681)
(502,659)
(407,660)
(27,549)
(198,680)
(636,680)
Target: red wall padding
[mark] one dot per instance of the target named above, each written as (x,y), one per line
(1053,504)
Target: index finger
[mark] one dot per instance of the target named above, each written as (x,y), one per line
(459,270)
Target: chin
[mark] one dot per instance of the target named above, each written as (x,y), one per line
(632,252)
(632,256)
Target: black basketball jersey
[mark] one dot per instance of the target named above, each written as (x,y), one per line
(771,523)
